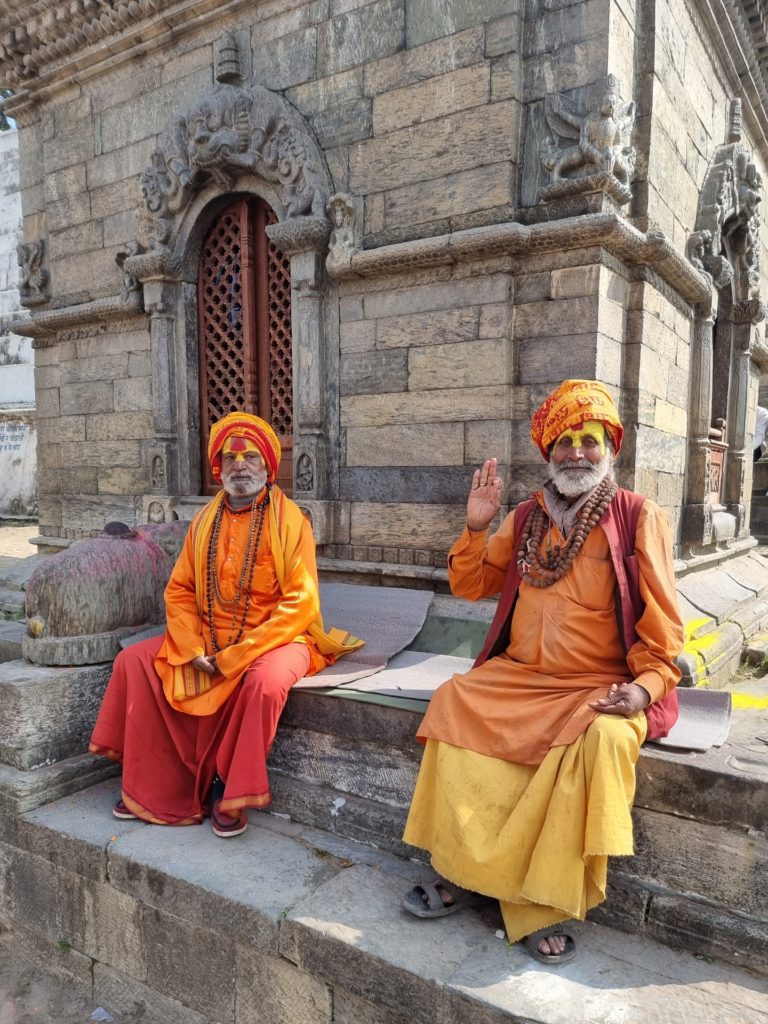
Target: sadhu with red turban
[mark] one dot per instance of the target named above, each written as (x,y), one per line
(528,773)
(192,714)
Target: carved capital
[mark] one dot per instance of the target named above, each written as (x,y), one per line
(748,311)
(300,235)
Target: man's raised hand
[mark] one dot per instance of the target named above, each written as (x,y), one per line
(484,497)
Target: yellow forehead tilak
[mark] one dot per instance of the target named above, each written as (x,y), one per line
(588,429)
(238,446)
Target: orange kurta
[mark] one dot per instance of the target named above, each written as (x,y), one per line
(565,648)
(275,617)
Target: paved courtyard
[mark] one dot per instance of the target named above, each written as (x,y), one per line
(14,543)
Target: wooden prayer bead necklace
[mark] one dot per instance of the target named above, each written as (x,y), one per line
(212,588)
(542,571)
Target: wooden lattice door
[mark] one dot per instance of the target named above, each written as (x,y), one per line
(244,327)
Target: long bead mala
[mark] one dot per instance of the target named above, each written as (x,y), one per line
(212,588)
(542,571)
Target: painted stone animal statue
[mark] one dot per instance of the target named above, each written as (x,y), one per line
(83,601)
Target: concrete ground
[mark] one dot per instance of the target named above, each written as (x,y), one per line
(14,541)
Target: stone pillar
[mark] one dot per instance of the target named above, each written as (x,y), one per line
(310,412)
(163,452)
(697,514)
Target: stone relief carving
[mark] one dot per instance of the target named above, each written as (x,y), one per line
(157,478)
(343,214)
(155,512)
(726,242)
(231,130)
(33,277)
(131,285)
(589,150)
(305,473)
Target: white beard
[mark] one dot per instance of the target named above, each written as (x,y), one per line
(573,479)
(248,483)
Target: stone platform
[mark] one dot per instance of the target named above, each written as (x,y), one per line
(288,923)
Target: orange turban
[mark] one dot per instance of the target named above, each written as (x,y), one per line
(242,424)
(571,404)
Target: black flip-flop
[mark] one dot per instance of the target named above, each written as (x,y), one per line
(425,900)
(531,943)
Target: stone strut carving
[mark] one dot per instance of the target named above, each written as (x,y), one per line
(726,242)
(33,277)
(589,151)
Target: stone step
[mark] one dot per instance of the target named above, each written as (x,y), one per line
(10,640)
(348,765)
(288,923)
(11,604)
(14,572)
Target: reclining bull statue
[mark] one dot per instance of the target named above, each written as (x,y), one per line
(82,602)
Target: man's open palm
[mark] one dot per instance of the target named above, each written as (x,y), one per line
(484,497)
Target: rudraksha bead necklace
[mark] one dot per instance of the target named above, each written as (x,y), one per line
(212,588)
(542,571)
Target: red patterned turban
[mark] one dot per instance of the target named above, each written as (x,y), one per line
(569,405)
(242,424)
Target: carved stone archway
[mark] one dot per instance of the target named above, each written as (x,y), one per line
(726,247)
(236,139)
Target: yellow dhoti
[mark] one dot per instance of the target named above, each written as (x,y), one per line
(535,837)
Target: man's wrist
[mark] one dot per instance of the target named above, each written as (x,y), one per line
(476,529)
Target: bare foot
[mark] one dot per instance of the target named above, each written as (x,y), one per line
(552,945)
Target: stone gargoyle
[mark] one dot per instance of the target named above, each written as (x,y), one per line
(83,601)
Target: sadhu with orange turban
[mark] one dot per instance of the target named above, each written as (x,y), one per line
(192,714)
(528,773)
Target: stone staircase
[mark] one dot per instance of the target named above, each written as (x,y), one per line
(299,919)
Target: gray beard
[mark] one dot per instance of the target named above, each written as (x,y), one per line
(246,486)
(572,483)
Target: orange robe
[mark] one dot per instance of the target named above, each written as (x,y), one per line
(565,648)
(172,745)
(274,617)
(524,791)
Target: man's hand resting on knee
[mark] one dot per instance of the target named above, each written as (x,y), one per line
(623,699)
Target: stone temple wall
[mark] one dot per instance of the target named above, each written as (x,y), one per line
(456,300)
(18,491)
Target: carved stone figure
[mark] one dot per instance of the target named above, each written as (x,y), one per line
(158,481)
(726,241)
(343,214)
(33,277)
(155,512)
(124,572)
(593,142)
(305,474)
(131,286)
